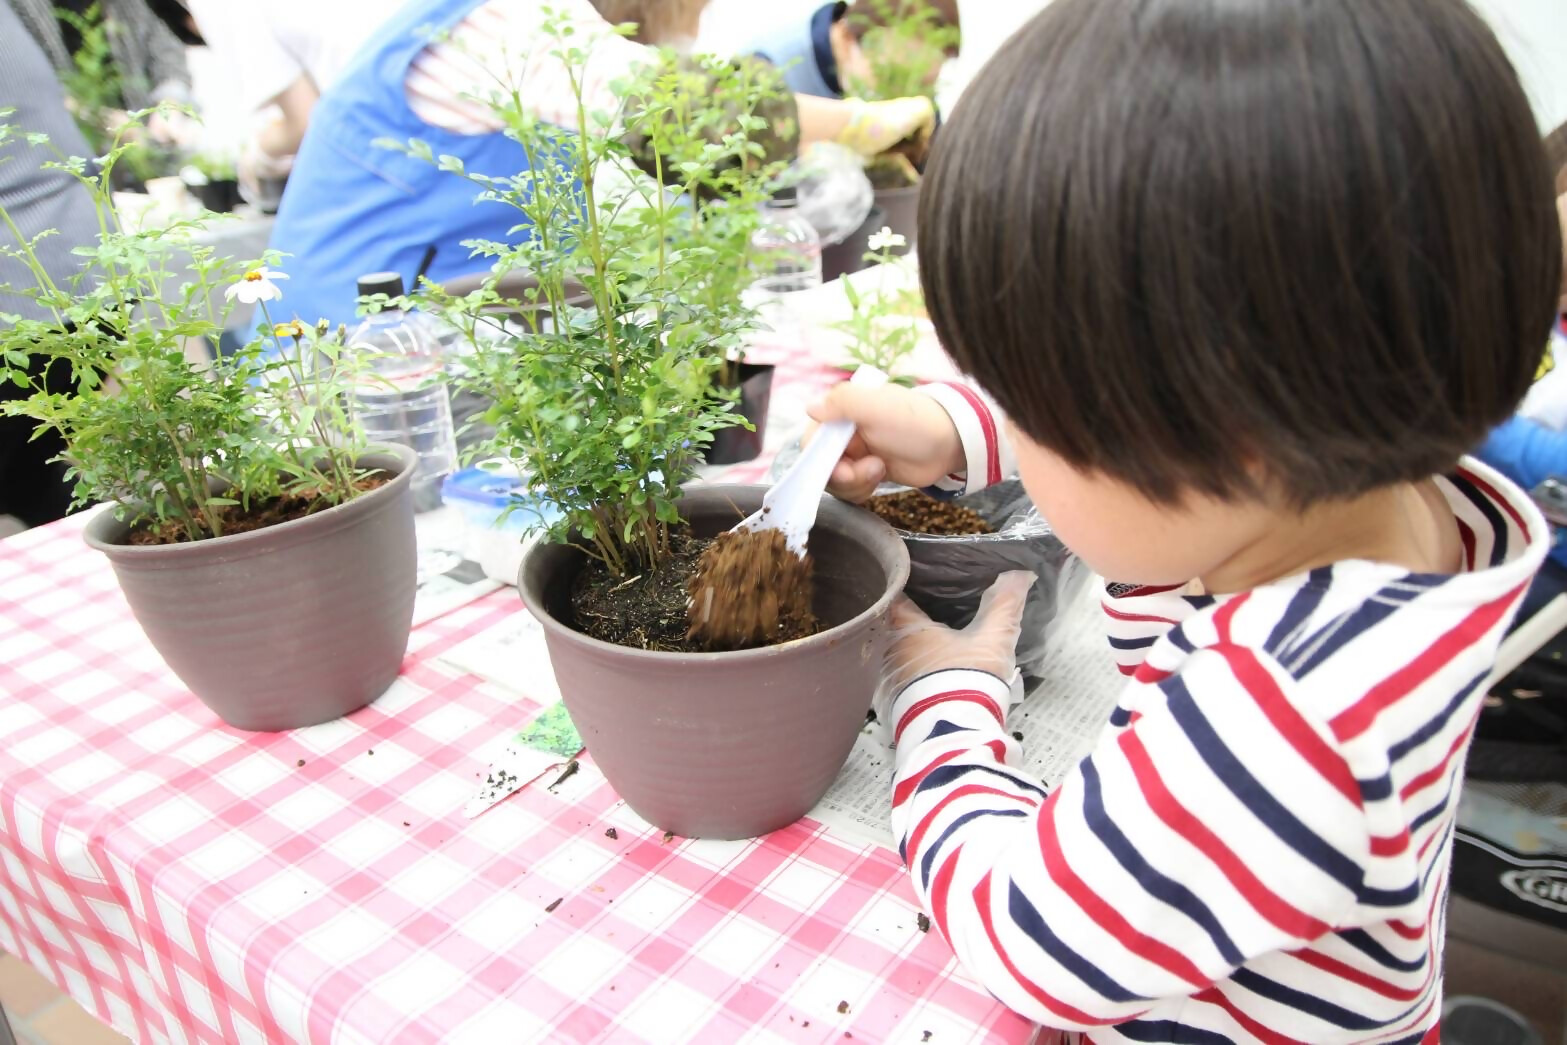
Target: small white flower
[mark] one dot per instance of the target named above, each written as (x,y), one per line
(886,239)
(256,285)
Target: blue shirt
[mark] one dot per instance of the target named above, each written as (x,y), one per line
(352,207)
(802,51)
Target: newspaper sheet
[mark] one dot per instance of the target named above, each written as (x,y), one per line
(1060,719)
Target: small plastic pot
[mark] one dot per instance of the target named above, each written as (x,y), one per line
(729,745)
(737,443)
(902,209)
(287,626)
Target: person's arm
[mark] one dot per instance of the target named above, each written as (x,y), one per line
(1165,861)
(987,452)
(281,137)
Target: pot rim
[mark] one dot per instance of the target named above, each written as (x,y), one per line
(895,586)
(335,516)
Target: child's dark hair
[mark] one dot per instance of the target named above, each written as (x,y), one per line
(1303,247)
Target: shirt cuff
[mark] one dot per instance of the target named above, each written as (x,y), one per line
(973,695)
(986,453)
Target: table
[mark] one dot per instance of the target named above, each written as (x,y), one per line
(188,882)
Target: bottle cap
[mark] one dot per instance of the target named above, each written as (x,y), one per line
(785,196)
(388,283)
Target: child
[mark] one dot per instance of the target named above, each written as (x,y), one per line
(1247,279)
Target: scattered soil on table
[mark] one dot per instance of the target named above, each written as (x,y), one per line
(918,512)
(261,514)
(750,590)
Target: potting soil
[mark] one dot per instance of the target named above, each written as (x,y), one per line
(647,611)
(235,518)
(917,512)
(750,590)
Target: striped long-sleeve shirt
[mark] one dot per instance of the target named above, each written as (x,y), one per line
(1257,847)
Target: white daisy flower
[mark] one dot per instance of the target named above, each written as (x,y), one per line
(256,285)
(886,239)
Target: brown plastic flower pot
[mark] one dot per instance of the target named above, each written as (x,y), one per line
(738,443)
(286,626)
(730,745)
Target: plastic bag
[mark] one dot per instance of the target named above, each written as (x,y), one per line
(834,194)
(949,575)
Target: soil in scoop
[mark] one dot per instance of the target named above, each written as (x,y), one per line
(651,611)
(236,519)
(750,590)
(917,512)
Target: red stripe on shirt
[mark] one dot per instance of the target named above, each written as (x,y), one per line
(1496,498)
(962,696)
(1038,993)
(1269,905)
(1148,948)
(1360,977)
(1358,717)
(1287,720)
(1263,1033)
(910,784)
(987,425)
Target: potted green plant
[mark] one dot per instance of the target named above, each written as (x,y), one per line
(266,550)
(607,413)
(905,43)
(211,177)
(682,134)
(884,322)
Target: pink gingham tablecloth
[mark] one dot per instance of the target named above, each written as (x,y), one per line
(188,882)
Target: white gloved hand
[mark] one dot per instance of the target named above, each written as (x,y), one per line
(922,647)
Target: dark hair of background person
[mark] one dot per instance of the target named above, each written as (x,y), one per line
(1303,248)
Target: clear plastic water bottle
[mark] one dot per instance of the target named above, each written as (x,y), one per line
(787,256)
(407,400)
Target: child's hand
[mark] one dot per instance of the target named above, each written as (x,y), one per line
(902,436)
(920,646)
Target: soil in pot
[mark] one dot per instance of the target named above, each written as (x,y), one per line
(651,611)
(914,511)
(295,504)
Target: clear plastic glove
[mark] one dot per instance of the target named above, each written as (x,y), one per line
(922,647)
(876,127)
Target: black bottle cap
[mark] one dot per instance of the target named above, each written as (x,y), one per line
(388,283)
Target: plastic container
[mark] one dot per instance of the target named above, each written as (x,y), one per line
(406,402)
(493,537)
(788,261)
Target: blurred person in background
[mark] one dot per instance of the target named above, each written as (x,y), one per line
(114,57)
(32,487)
(351,207)
(284,55)
(825,54)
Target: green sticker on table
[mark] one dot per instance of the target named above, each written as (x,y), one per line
(552,731)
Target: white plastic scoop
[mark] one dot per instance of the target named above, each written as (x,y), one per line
(792,502)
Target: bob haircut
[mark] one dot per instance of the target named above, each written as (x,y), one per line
(1295,248)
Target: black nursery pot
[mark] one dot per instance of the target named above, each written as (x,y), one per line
(840,259)
(736,444)
(220,197)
